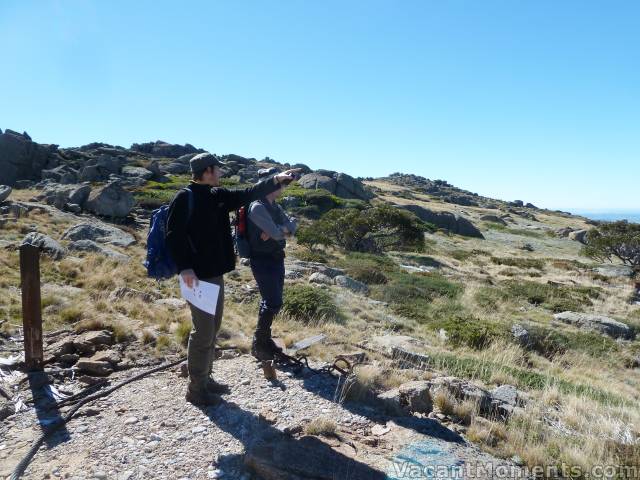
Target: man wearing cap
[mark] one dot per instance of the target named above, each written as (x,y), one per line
(267,227)
(202,248)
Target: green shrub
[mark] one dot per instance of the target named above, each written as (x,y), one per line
(154,194)
(374,229)
(535,263)
(461,255)
(488,298)
(557,298)
(411,295)
(464,329)
(368,268)
(315,203)
(549,342)
(312,256)
(307,303)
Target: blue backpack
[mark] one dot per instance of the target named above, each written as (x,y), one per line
(159,263)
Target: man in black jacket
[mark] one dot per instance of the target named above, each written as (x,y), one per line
(202,248)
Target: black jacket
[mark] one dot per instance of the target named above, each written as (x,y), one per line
(209,229)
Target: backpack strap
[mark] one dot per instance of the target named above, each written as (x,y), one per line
(190,204)
(189,213)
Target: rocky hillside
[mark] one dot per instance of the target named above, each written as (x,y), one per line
(494,343)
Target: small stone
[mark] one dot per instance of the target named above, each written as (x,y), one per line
(379,430)
(198,429)
(131,421)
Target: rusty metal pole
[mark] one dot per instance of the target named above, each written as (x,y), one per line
(31,306)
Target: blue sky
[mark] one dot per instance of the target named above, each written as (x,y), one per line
(536,100)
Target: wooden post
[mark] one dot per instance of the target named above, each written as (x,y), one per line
(31,307)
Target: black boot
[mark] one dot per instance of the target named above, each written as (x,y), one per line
(263,347)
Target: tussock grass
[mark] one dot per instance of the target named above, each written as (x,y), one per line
(306,304)
(321,426)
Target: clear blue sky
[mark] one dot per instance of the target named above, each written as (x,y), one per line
(534,100)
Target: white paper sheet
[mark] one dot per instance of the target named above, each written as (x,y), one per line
(203,296)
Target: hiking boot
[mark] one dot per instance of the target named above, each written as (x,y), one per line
(202,397)
(217,387)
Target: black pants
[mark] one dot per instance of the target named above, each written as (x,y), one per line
(269,275)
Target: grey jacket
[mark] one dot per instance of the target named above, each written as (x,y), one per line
(272,220)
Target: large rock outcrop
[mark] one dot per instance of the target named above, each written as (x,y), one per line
(23,159)
(99,232)
(340,184)
(445,220)
(597,323)
(110,200)
(164,149)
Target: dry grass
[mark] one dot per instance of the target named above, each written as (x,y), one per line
(323,426)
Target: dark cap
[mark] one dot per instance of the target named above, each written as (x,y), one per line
(204,160)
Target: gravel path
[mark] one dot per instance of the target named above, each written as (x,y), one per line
(146,430)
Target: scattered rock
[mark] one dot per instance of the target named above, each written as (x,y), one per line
(91,246)
(579,236)
(599,323)
(171,303)
(493,219)
(99,232)
(564,232)
(94,367)
(5,191)
(410,397)
(521,335)
(614,271)
(446,220)
(137,172)
(464,390)
(407,359)
(62,174)
(110,356)
(128,292)
(320,278)
(351,284)
(164,149)
(87,342)
(60,196)
(110,200)
(7,408)
(46,244)
(507,394)
(340,184)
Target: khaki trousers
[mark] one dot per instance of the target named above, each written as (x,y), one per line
(202,339)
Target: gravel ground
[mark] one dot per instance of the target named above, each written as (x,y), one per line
(147,430)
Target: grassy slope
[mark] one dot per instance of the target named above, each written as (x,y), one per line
(578,382)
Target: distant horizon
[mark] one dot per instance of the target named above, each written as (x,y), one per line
(535,101)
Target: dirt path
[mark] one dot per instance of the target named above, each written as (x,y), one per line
(147,430)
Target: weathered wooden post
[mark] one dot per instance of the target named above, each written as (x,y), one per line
(31,306)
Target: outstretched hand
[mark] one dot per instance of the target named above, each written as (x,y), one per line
(288,176)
